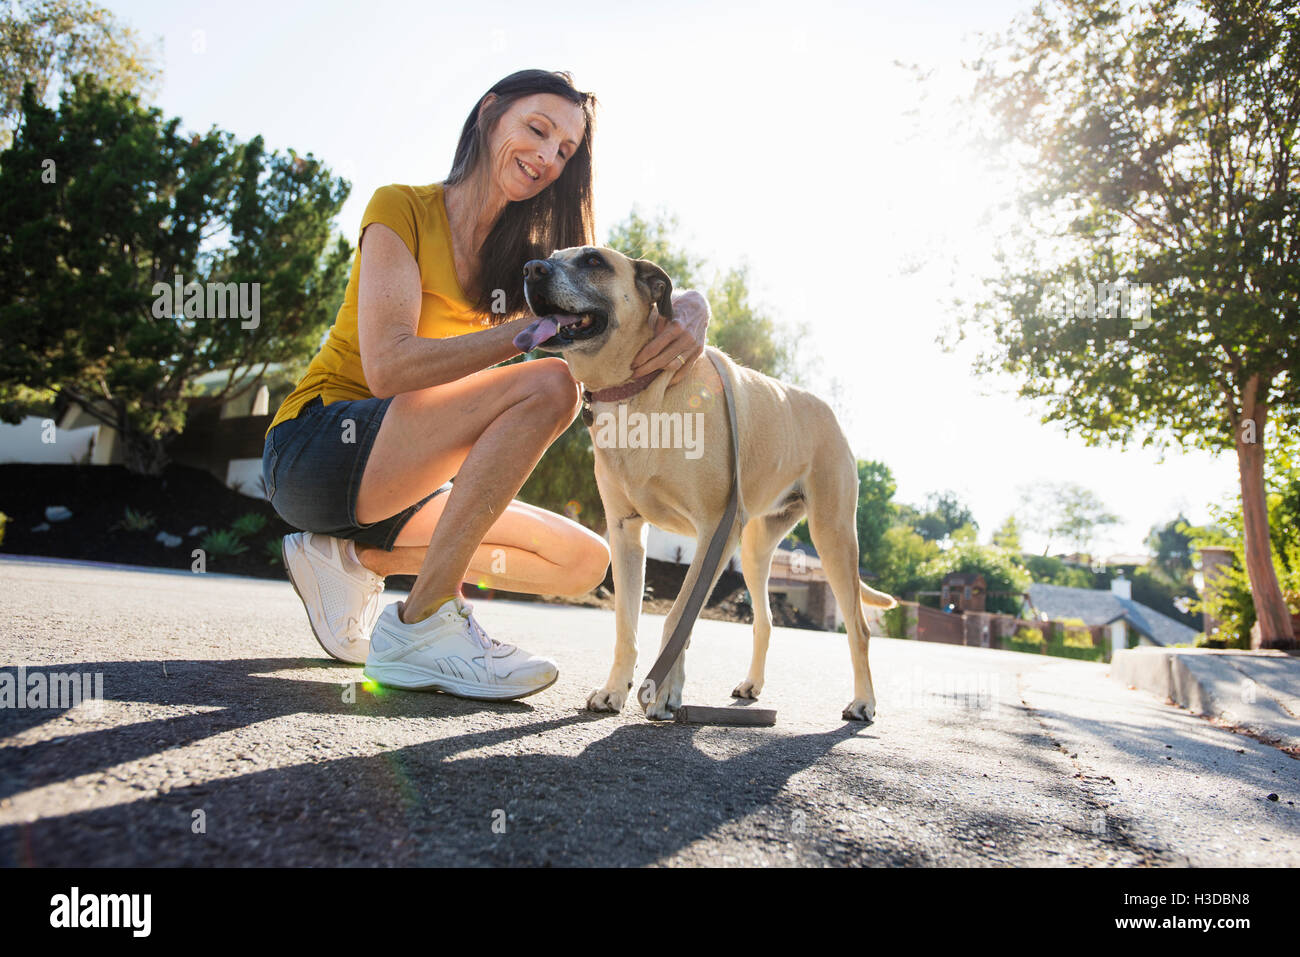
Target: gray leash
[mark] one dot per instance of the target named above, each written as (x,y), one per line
(703,584)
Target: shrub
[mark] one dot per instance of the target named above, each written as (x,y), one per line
(1025,635)
(1076,634)
(248,524)
(223,543)
(1228,599)
(1229,602)
(1026,639)
(898,621)
(1062,650)
(273,553)
(133,521)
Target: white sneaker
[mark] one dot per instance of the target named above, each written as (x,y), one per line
(342,596)
(449,651)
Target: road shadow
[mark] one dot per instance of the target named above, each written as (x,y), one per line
(238,692)
(636,794)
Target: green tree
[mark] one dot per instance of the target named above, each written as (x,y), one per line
(1158,145)
(1065,510)
(753,339)
(944,514)
(1171,549)
(649,238)
(736,326)
(1153,589)
(103,205)
(903,553)
(1008,535)
(875,516)
(997,565)
(1284,500)
(1229,599)
(48,42)
(1050,570)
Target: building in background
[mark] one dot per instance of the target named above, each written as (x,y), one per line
(225,439)
(1113,609)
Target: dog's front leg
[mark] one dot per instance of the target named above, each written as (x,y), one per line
(628,556)
(668,698)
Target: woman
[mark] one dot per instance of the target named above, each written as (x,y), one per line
(407,392)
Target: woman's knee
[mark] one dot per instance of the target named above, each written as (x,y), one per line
(590,565)
(549,380)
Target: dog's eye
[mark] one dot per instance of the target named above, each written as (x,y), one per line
(594,260)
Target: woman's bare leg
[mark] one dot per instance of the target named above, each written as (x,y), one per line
(489,430)
(528,550)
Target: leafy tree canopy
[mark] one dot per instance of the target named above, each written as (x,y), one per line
(1156,297)
(106,207)
(48,42)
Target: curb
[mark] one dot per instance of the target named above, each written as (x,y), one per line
(1258,691)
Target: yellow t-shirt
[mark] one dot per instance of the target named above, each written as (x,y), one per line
(418,215)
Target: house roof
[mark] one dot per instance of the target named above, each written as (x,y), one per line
(1096,607)
(786,545)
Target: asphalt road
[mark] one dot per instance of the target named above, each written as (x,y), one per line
(226,737)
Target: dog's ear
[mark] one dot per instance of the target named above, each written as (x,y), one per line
(655,280)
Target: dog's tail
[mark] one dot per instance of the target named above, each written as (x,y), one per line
(876,599)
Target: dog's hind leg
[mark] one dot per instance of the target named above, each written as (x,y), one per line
(832,513)
(669,697)
(758,543)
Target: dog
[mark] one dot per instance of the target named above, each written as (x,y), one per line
(599,309)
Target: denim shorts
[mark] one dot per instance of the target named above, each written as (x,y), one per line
(312,466)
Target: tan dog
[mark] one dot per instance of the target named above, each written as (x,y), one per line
(665,458)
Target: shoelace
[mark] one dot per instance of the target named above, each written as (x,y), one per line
(477,631)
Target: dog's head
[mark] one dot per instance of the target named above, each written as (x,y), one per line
(604,304)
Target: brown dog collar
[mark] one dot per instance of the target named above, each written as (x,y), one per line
(615,393)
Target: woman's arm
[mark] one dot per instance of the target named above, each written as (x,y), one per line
(683,335)
(394,357)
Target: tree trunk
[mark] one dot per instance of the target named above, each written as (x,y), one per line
(143,454)
(1270,606)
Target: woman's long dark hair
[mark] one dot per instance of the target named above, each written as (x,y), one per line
(557,217)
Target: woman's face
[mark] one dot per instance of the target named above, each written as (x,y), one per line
(532,142)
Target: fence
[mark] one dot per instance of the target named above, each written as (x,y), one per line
(979,629)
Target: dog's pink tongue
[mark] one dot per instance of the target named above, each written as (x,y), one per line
(541,330)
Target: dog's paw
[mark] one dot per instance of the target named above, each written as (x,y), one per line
(606,699)
(664,708)
(660,711)
(860,710)
(748,689)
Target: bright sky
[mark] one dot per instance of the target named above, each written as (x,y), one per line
(782,135)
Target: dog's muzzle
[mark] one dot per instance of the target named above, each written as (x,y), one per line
(557,324)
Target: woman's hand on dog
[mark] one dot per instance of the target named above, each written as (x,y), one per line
(683,335)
